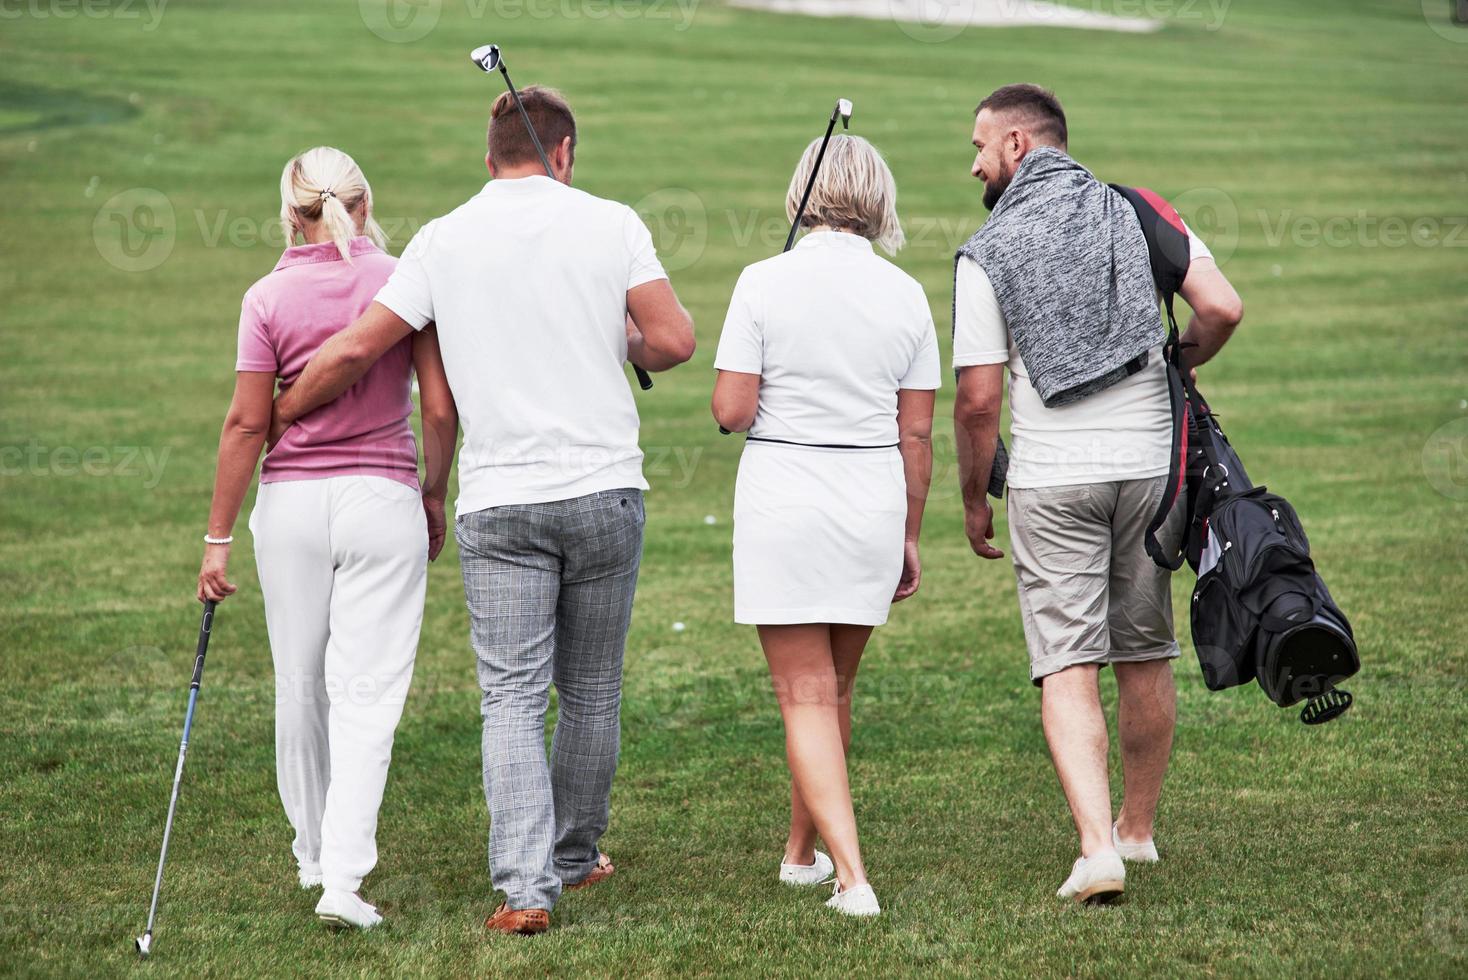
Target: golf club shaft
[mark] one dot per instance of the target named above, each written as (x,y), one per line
(644,380)
(804,199)
(205,626)
(809,185)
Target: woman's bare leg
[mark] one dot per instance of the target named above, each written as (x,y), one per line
(847,645)
(803,672)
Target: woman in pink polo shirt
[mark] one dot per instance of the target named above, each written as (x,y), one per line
(343,533)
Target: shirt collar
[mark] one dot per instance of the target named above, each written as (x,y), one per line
(834,239)
(323,252)
(519,185)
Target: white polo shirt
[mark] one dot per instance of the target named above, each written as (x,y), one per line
(833,330)
(1120,433)
(528,284)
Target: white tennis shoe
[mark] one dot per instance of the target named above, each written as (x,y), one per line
(818,872)
(1097,879)
(346,910)
(1143,852)
(861,901)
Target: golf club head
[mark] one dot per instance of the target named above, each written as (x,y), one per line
(144,944)
(486,56)
(843,109)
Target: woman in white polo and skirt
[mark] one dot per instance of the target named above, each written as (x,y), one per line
(828,360)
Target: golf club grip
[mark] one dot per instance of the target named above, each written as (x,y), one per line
(206,626)
(643,378)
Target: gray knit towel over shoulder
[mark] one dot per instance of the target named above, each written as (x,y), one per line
(1068,262)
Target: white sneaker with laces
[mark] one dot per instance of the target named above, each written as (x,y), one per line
(346,910)
(1144,852)
(818,872)
(1097,879)
(861,901)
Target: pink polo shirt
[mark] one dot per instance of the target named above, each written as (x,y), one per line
(285,318)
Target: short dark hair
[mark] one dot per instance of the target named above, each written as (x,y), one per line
(550,113)
(1039,106)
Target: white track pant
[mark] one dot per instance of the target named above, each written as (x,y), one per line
(343,565)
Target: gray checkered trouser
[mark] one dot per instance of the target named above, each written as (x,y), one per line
(549,588)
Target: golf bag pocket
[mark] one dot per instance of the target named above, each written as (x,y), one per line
(1223,633)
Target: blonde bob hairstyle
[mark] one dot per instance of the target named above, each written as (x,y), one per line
(324,184)
(854,192)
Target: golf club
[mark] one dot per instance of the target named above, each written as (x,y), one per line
(144,943)
(843,112)
(487,57)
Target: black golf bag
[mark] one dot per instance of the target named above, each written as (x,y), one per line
(1260,610)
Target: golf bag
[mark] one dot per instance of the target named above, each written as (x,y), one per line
(1260,610)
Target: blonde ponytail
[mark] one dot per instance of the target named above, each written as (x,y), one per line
(324,184)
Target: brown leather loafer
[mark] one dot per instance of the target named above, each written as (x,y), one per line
(521,922)
(603,870)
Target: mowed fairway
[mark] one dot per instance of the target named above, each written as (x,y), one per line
(1321,146)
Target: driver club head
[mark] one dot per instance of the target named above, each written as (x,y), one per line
(144,944)
(487,57)
(843,109)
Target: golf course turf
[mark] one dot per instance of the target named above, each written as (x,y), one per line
(1320,147)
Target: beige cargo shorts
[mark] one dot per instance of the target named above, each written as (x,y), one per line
(1088,592)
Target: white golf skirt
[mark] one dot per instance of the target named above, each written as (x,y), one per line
(817,534)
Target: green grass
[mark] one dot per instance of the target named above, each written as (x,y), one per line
(1288,850)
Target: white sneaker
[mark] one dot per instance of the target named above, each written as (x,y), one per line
(346,910)
(818,872)
(860,900)
(1144,852)
(309,876)
(1097,879)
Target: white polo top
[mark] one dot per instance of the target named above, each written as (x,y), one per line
(528,284)
(833,330)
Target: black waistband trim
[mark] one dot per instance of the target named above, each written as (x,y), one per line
(817,445)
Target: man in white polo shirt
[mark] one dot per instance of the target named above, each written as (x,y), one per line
(541,294)
(1057,286)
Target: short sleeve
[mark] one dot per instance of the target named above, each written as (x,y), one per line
(1197,248)
(741,344)
(980,335)
(255,352)
(644,266)
(408,292)
(925,373)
